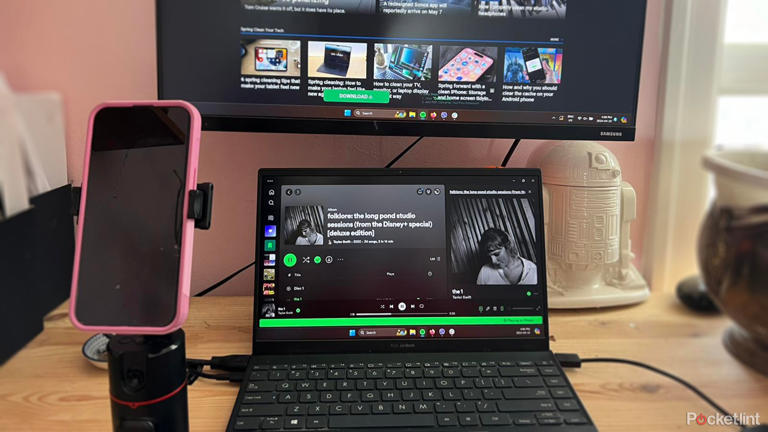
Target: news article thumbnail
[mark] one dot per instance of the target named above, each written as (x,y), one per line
(492,241)
(467,64)
(402,62)
(312,6)
(533,65)
(304,226)
(337,60)
(270,57)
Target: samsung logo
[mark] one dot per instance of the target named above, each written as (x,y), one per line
(611,133)
(403,345)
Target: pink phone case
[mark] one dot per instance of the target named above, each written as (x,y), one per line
(468,65)
(188,225)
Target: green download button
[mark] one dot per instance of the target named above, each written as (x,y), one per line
(356,96)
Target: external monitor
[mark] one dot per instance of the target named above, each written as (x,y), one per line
(549,69)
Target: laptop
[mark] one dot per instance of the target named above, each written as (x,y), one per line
(405,299)
(336,59)
(406,63)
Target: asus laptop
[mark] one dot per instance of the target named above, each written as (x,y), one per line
(336,59)
(412,299)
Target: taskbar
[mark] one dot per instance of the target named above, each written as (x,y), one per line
(416,115)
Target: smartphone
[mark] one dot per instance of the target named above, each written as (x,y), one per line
(533,66)
(133,250)
(468,65)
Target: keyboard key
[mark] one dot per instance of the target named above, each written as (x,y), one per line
(444,383)
(550,421)
(447,420)
(525,393)
(279,366)
(366,385)
(483,406)
(525,363)
(299,366)
(285,386)
(393,373)
(452,394)
(381,408)
(561,393)
(369,396)
(444,407)
(451,372)
(470,372)
(545,363)
(413,373)
(574,419)
(316,374)
(411,395)
(463,383)
(247,423)
(259,398)
(528,382)
(555,381)
(422,407)
(259,375)
(329,396)
(549,371)
(360,408)
(260,367)
(326,385)
(518,371)
(305,385)
(288,397)
(426,383)
(294,423)
(502,382)
(469,420)
(261,410)
(567,405)
(390,395)
(401,407)
(318,409)
(395,365)
(382,421)
(350,396)
(431,395)
(385,384)
(491,394)
(526,405)
(483,383)
(355,373)
(260,386)
(494,419)
(374,373)
(489,372)
(432,372)
(296,410)
(277,375)
(317,423)
(297,375)
(272,423)
(402,384)
(471,394)
(308,397)
(465,407)
(525,421)
(338,409)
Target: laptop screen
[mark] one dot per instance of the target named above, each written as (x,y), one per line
(425,254)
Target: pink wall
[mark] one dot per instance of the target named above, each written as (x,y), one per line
(94,50)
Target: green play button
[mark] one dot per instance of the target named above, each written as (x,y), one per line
(289,260)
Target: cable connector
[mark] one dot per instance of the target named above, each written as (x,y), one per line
(230,363)
(568,360)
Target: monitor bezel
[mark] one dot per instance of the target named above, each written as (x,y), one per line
(327,346)
(410,128)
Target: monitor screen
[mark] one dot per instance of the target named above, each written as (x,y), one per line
(511,68)
(419,256)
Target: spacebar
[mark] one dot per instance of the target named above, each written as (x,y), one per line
(382,421)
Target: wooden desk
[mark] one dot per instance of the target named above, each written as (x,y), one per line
(50,387)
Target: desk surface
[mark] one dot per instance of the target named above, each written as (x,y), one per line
(49,386)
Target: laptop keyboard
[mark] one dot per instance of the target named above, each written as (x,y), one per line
(295,396)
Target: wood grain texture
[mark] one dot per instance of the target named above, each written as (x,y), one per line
(49,386)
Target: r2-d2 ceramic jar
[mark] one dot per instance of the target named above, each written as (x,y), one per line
(587,213)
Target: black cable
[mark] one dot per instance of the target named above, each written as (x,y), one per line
(685,383)
(223,281)
(509,153)
(402,153)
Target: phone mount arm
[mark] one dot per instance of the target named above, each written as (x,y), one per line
(201,205)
